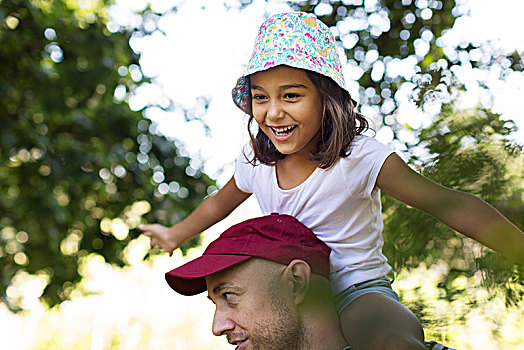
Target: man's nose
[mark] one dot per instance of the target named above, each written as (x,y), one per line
(222,323)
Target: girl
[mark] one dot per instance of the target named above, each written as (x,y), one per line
(309,159)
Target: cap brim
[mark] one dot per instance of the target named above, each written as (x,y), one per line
(189,279)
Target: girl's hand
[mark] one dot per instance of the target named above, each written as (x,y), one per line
(213,209)
(162,236)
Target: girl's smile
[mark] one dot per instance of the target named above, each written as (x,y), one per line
(283,133)
(288,109)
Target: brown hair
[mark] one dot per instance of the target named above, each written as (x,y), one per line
(340,124)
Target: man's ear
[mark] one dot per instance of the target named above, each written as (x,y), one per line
(299,274)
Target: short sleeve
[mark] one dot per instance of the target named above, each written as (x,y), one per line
(367,157)
(244,170)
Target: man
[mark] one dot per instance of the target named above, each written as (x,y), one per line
(268,278)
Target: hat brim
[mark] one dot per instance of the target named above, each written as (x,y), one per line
(189,279)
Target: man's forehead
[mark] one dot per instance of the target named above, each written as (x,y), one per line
(239,275)
(230,277)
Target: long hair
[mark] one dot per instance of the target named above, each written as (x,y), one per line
(340,124)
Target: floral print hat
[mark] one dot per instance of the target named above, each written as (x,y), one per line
(296,39)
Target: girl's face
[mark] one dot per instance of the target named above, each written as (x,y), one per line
(288,108)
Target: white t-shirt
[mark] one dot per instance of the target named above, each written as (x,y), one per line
(340,205)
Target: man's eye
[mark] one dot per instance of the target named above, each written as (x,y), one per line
(228,296)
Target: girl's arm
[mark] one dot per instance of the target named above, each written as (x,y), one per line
(460,211)
(213,209)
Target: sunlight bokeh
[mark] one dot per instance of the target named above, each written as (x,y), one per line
(199,57)
(134,308)
(118,308)
(206,45)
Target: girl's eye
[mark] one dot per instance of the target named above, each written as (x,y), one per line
(291,96)
(259,97)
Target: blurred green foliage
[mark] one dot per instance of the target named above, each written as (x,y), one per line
(396,42)
(78,168)
(470,151)
(464,150)
(475,317)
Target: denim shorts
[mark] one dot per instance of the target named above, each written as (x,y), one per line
(380,285)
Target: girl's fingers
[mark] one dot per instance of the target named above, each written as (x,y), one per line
(156,237)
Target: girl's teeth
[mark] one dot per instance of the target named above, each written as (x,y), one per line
(283,131)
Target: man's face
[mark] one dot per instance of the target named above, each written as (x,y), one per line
(252,309)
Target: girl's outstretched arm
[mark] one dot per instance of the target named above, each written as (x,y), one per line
(213,209)
(463,212)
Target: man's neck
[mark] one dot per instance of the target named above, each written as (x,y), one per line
(322,330)
(319,317)
(325,338)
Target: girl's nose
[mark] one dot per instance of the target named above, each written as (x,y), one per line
(274,111)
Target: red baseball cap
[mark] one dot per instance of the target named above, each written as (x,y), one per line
(275,237)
